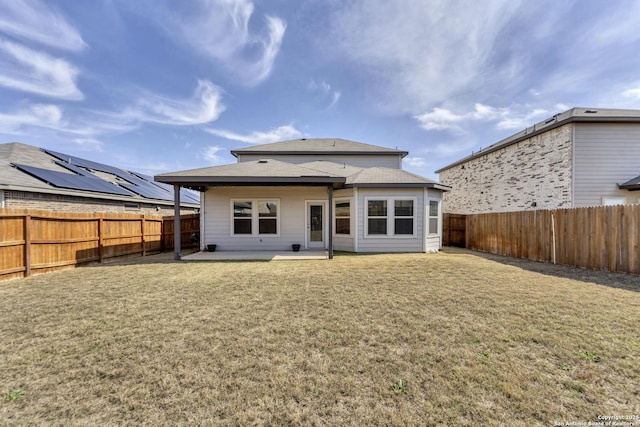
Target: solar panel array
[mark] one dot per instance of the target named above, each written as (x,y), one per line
(76,182)
(126,184)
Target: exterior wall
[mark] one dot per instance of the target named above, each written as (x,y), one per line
(60,203)
(605,154)
(390,243)
(537,169)
(217,216)
(361,160)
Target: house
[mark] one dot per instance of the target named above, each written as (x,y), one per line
(36,178)
(581,157)
(319,193)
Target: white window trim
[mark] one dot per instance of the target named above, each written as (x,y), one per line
(1,198)
(335,217)
(390,218)
(428,217)
(255,217)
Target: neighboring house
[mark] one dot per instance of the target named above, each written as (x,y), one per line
(319,193)
(35,178)
(582,157)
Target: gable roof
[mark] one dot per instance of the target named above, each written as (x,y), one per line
(31,169)
(317,145)
(574,115)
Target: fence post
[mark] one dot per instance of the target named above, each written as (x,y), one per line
(100,239)
(143,221)
(27,246)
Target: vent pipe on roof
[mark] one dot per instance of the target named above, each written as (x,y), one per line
(263,161)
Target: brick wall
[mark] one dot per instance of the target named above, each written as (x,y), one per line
(60,203)
(538,169)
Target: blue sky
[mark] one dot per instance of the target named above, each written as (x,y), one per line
(157,86)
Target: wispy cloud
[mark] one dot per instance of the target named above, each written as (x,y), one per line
(325,93)
(220,30)
(505,118)
(35,21)
(210,154)
(632,93)
(259,137)
(204,106)
(37,115)
(25,69)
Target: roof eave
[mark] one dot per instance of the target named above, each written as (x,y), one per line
(248,180)
(433,185)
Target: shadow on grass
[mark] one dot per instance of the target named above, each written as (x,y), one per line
(629,282)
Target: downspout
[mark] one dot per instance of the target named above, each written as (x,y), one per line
(177,241)
(330,214)
(355,219)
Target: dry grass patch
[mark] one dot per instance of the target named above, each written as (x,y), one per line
(447,339)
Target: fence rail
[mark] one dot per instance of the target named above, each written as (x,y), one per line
(598,238)
(33,241)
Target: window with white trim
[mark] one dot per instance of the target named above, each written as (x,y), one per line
(254,217)
(390,217)
(377,217)
(403,217)
(610,201)
(434,217)
(343,216)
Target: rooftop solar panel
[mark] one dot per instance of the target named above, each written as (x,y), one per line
(72,181)
(75,169)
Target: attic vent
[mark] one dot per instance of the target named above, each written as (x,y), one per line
(263,161)
(591,111)
(303,139)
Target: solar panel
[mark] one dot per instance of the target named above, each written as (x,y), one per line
(138,183)
(75,169)
(72,181)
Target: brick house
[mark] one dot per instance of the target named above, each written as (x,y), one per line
(581,157)
(35,178)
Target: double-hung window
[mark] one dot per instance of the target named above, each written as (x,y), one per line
(255,217)
(403,217)
(377,217)
(391,217)
(343,217)
(434,207)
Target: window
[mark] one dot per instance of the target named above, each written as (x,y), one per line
(242,217)
(434,207)
(403,217)
(377,217)
(268,217)
(1,199)
(255,217)
(131,206)
(391,217)
(610,201)
(343,217)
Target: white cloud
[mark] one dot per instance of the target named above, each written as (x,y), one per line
(423,54)
(89,144)
(39,115)
(506,118)
(35,21)
(210,154)
(204,106)
(415,162)
(632,93)
(25,69)
(325,93)
(258,137)
(219,29)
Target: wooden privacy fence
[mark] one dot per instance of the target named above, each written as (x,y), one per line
(41,241)
(454,230)
(598,238)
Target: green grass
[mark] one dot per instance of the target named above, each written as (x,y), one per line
(453,338)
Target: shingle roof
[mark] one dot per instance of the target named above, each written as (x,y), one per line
(270,171)
(576,114)
(27,168)
(632,184)
(318,145)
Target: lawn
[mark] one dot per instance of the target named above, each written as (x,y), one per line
(455,338)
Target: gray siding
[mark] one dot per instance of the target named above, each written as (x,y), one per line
(361,160)
(605,154)
(390,243)
(217,216)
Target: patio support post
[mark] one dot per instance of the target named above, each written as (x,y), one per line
(177,240)
(330,188)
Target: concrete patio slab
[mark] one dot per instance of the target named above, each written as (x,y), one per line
(255,256)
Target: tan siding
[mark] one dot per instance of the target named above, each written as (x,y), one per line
(605,154)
